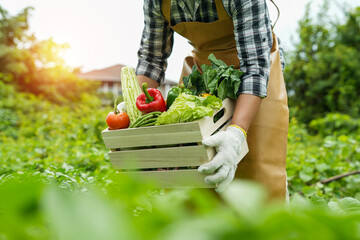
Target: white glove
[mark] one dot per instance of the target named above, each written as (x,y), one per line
(228,147)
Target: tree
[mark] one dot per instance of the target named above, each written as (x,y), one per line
(324,71)
(35,66)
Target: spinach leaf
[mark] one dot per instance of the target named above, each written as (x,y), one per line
(218,79)
(194,81)
(210,80)
(216,62)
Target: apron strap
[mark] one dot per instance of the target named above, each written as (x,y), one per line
(278,11)
(166,8)
(275,46)
(220,10)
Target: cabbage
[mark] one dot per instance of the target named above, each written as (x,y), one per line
(188,108)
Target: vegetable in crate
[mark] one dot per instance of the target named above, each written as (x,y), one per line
(188,108)
(130,90)
(146,120)
(150,101)
(218,79)
(117,119)
(174,93)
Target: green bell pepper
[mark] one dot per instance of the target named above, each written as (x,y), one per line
(174,92)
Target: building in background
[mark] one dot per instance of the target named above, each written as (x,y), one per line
(111,81)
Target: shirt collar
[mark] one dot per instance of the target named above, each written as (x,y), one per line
(183,5)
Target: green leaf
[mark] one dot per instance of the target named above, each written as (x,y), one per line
(306,176)
(216,62)
(187,108)
(345,205)
(210,80)
(318,201)
(235,78)
(335,207)
(75,216)
(213,102)
(245,198)
(195,82)
(222,90)
(321,167)
(205,68)
(350,205)
(230,93)
(309,191)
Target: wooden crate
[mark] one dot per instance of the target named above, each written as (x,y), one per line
(137,150)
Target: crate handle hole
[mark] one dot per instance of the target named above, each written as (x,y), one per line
(219,115)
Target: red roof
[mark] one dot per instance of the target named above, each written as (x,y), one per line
(109,74)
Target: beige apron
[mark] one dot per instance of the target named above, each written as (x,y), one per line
(267,136)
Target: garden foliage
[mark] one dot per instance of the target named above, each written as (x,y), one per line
(59,183)
(323,72)
(123,208)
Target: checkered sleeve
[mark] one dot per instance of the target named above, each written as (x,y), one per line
(253,35)
(281,53)
(156,43)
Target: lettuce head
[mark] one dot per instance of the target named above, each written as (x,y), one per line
(188,108)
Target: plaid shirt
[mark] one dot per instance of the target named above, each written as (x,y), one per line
(252,29)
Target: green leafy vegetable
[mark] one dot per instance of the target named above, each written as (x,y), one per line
(187,108)
(194,82)
(218,79)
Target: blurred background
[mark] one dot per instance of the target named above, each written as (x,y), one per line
(102,35)
(60,64)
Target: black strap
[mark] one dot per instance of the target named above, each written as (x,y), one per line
(278,10)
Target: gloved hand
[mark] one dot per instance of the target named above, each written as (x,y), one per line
(228,147)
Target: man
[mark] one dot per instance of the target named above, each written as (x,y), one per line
(239,33)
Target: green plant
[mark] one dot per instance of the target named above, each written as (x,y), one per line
(335,124)
(312,162)
(322,74)
(121,207)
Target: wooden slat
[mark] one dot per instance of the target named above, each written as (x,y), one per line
(190,126)
(153,136)
(152,140)
(160,157)
(207,125)
(172,179)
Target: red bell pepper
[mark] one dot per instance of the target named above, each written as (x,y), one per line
(150,101)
